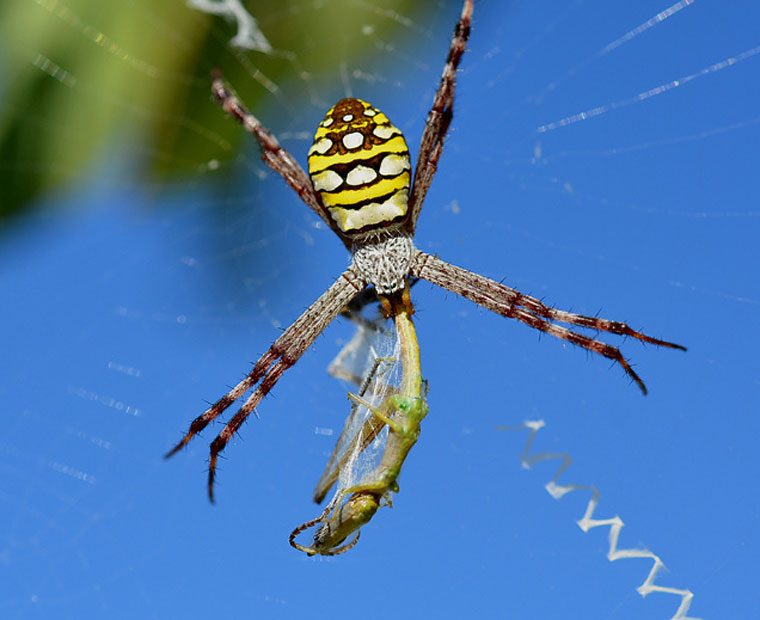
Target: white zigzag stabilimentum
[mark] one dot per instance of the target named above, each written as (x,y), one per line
(587,523)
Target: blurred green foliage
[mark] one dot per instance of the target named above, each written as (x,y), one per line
(84,78)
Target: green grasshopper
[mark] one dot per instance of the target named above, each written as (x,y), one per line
(402,412)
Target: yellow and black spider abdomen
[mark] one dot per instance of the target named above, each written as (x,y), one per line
(359,165)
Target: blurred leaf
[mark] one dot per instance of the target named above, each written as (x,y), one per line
(84,78)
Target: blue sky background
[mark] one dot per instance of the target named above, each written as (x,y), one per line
(125,306)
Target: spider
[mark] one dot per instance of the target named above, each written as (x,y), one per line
(359,185)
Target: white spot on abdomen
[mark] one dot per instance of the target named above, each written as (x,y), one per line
(361,175)
(385,131)
(353,140)
(326,181)
(321,147)
(393,165)
(374,212)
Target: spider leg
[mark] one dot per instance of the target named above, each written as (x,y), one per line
(272,153)
(512,304)
(285,352)
(538,308)
(439,118)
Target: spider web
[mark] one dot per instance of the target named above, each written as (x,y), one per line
(602,157)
